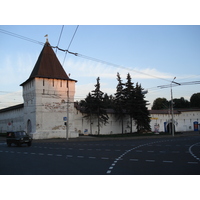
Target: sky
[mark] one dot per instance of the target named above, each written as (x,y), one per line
(152,54)
(162,51)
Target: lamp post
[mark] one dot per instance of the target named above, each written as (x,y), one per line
(172,105)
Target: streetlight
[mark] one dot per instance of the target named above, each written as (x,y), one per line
(172,105)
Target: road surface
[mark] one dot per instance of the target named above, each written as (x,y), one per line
(152,156)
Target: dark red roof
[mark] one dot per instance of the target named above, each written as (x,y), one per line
(48,66)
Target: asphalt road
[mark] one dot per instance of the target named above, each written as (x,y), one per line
(152,156)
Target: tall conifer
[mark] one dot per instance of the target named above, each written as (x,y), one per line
(119,102)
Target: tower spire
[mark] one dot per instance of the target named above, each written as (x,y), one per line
(46,38)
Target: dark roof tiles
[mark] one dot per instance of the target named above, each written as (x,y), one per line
(48,66)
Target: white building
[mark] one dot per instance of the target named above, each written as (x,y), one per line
(184,120)
(48,94)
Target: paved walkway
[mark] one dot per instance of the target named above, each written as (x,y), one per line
(93,138)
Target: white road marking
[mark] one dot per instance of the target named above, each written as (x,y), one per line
(192,162)
(150,160)
(190,150)
(133,159)
(104,158)
(167,161)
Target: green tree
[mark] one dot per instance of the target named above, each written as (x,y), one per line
(141,114)
(195,100)
(119,102)
(129,99)
(160,103)
(108,101)
(181,103)
(95,107)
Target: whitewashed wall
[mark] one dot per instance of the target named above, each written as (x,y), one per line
(183,121)
(12,120)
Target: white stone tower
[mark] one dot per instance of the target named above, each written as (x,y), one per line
(47,93)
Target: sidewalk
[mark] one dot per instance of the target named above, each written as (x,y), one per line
(93,138)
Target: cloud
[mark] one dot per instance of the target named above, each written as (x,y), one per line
(91,69)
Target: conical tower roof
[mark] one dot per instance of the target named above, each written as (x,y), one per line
(48,66)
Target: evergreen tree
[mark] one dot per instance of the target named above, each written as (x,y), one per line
(95,107)
(141,114)
(195,100)
(108,101)
(129,99)
(160,103)
(119,101)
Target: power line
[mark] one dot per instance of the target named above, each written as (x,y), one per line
(60,36)
(77,54)
(20,36)
(181,83)
(70,44)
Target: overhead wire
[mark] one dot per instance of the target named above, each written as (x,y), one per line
(77,54)
(80,55)
(20,37)
(70,44)
(60,36)
(181,83)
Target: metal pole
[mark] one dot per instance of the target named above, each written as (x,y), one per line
(172,105)
(67,123)
(172,109)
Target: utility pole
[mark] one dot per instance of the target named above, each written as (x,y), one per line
(67,123)
(172,105)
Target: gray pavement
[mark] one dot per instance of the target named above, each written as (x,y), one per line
(96,138)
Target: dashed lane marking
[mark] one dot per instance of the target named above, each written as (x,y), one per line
(192,162)
(150,160)
(190,150)
(133,159)
(139,146)
(167,161)
(80,156)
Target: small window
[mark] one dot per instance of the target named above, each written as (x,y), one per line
(43,82)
